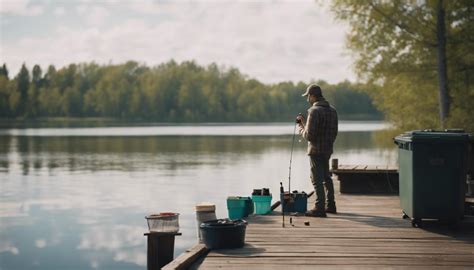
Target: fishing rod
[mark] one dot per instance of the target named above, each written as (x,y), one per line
(291,158)
(291,153)
(282,198)
(282,191)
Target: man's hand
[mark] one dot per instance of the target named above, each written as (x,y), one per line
(300,120)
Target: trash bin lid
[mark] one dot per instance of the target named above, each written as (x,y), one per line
(431,136)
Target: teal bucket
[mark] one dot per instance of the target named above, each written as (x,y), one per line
(239,207)
(262,204)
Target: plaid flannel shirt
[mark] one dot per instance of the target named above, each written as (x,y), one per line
(321,128)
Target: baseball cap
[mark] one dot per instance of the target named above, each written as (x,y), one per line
(314,90)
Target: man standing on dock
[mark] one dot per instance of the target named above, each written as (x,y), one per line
(320,131)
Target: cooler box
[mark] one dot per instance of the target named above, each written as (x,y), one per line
(239,207)
(263,204)
(294,202)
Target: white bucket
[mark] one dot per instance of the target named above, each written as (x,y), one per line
(204,212)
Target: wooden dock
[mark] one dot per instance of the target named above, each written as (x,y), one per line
(366,179)
(367,233)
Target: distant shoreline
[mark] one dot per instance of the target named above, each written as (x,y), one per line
(104,121)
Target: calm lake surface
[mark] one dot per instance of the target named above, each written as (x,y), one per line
(76,198)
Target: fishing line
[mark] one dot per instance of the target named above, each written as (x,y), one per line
(291,158)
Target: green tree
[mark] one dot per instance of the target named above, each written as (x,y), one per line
(37,74)
(23,85)
(70,102)
(50,76)
(6,89)
(14,101)
(408,51)
(32,106)
(50,102)
(4,71)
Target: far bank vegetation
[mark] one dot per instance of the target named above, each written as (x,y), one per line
(170,92)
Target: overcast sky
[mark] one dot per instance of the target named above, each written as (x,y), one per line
(271,41)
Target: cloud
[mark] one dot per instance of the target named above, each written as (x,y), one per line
(93,15)
(20,7)
(145,7)
(40,243)
(114,238)
(10,210)
(59,11)
(272,41)
(7,246)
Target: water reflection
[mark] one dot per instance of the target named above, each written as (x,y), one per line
(147,153)
(79,202)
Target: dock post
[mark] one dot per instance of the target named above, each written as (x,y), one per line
(334,164)
(160,249)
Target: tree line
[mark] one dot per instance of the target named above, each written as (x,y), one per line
(170,92)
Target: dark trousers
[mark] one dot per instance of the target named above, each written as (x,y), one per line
(321,180)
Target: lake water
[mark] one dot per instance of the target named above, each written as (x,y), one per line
(76,198)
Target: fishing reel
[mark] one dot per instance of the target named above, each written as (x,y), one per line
(298,119)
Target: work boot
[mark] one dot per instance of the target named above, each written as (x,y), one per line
(315,212)
(331,208)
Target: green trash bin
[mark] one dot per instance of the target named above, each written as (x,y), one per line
(470,169)
(432,175)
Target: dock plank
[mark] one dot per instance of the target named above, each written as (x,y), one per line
(371,168)
(185,260)
(353,167)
